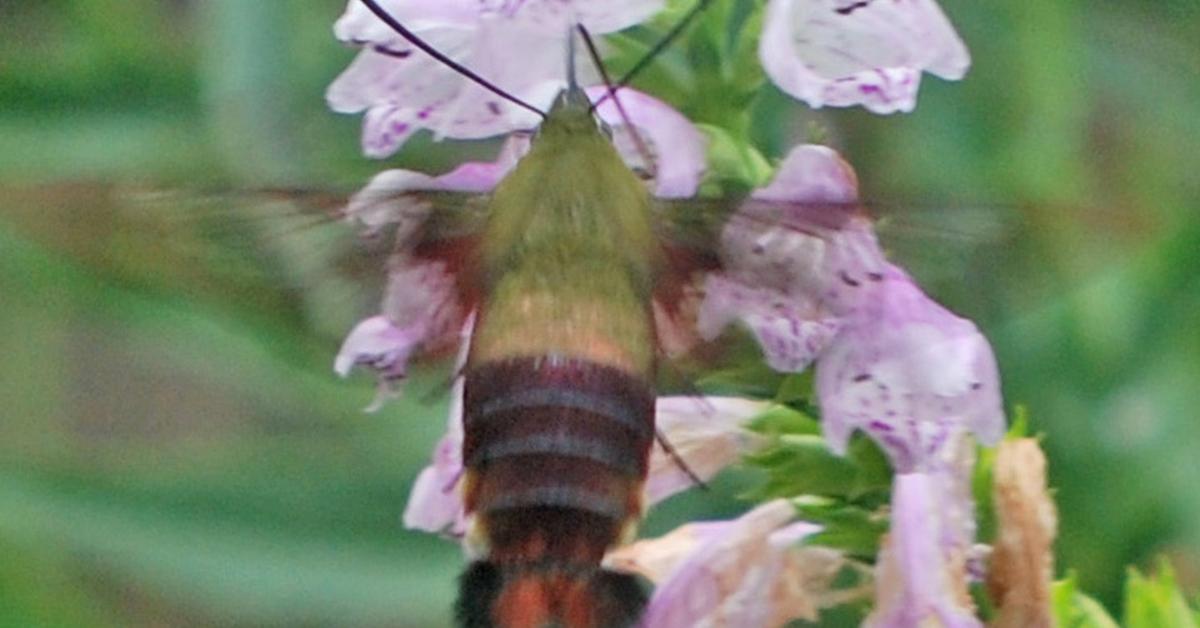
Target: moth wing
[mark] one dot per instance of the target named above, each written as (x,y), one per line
(253,253)
(945,247)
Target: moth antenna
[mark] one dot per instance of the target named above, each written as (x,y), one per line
(638,143)
(658,47)
(409,36)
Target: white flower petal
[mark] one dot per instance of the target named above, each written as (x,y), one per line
(858,52)
(707,434)
(392,197)
(744,572)
(599,16)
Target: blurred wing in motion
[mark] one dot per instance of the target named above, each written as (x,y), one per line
(323,258)
(255,252)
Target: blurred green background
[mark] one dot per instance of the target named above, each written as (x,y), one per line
(175,450)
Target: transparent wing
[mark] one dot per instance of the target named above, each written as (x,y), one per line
(254,253)
(951,252)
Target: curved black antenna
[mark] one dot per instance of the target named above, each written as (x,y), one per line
(408,35)
(657,48)
(638,142)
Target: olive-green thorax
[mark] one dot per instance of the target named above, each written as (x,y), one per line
(569,252)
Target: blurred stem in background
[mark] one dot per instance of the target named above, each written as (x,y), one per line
(249,100)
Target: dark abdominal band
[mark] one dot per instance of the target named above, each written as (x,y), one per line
(556,450)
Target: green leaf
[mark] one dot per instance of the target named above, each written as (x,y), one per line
(1073,609)
(782,420)
(1156,602)
(853,529)
(733,161)
(799,462)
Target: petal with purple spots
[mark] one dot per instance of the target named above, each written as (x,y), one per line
(911,374)
(859,52)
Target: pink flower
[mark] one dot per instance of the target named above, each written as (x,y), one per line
(910,374)
(383,346)
(750,571)
(797,258)
(420,310)
(705,432)
(516,44)
(804,272)
(843,53)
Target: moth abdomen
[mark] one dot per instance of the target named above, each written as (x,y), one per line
(555,451)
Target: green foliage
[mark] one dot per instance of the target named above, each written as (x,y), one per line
(1074,609)
(845,494)
(1157,601)
(1150,602)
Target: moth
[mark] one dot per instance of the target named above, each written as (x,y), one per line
(577,279)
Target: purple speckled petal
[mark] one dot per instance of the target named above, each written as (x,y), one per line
(804,233)
(515,44)
(420,308)
(791,335)
(798,256)
(853,52)
(920,579)
(382,346)
(423,294)
(911,374)
(676,145)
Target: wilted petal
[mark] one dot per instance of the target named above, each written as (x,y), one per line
(676,146)
(920,580)
(911,374)
(706,434)
(744,572)
(853,52)
(1022,564)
